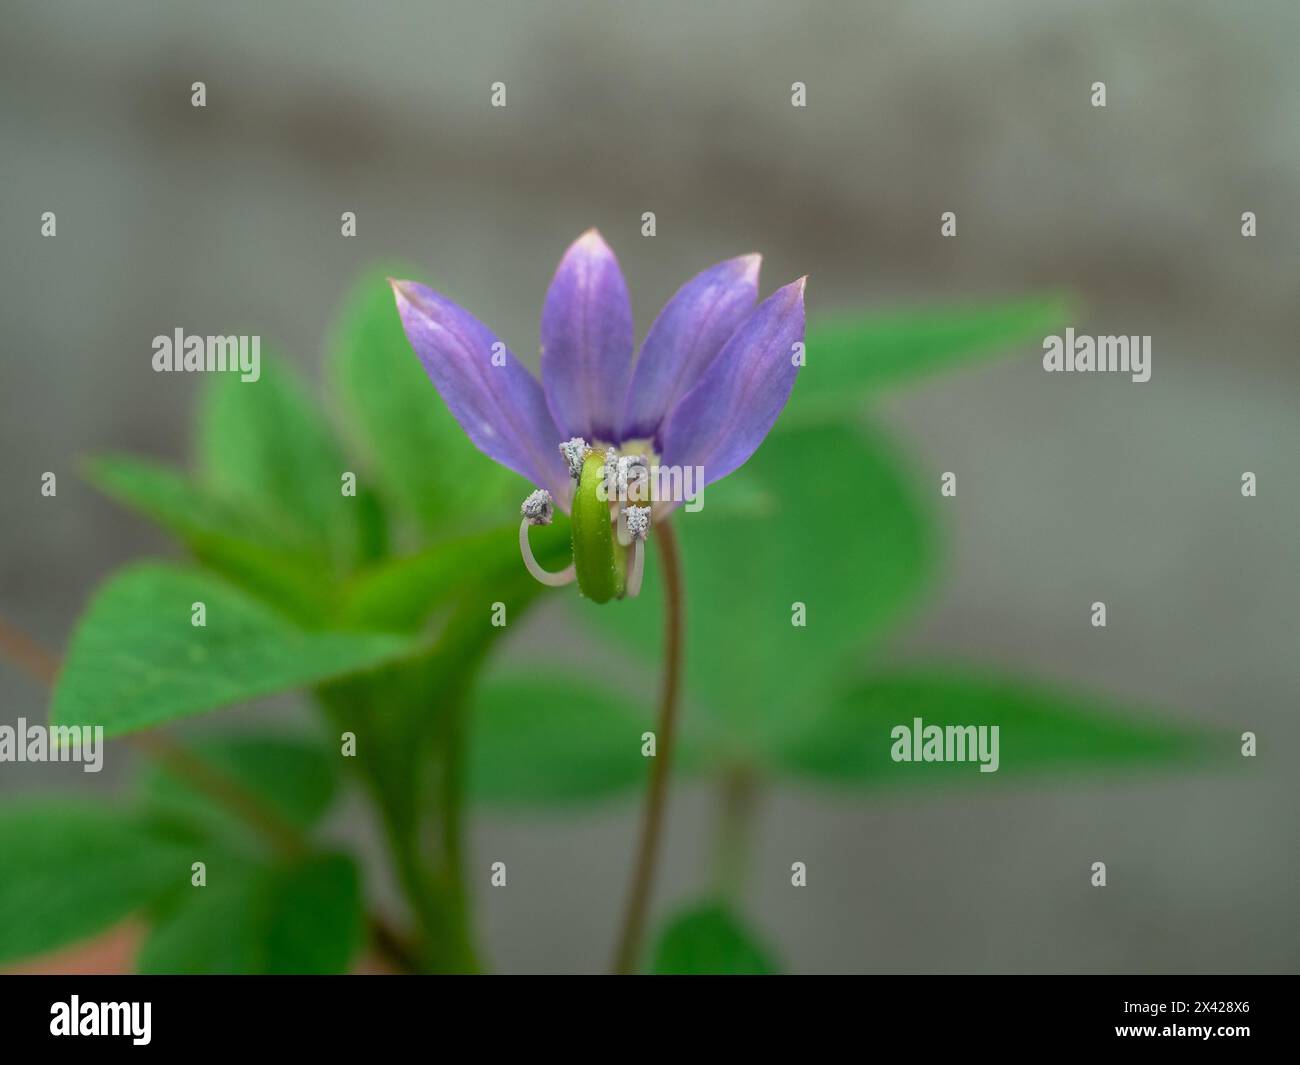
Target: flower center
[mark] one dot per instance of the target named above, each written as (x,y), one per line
(610,519)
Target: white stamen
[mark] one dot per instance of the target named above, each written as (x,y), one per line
(633,475)
(635,570)
(628,482)
(574,452)
(538,508)
(554,580)
(610,474)
(638,521)
(638,526)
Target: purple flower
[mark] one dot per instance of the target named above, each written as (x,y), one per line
(713,374)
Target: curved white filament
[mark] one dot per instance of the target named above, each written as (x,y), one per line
(635,569)
(554,580)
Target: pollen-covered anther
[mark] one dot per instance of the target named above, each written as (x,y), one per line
(633,478)
(574,451)
(610,474)
(637,520)
(539,509)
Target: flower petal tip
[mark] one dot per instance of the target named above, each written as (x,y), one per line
(587,340)
(592,247)
(591,240)
(403,291)
(750,265)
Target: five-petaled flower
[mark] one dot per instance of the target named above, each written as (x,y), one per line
(712,376)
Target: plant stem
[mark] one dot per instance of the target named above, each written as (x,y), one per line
(413,713)
(442,943)
(449,942)
(735,818)
(26,653)
(629,944)
(282,834)
(390,945)
(452,828)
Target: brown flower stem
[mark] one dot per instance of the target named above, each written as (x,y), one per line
(737,799)
(26,653)
(284,836)
(629,943)
(390,945)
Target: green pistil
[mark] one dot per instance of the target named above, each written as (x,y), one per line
(598,558)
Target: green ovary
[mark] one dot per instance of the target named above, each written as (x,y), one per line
(598,558)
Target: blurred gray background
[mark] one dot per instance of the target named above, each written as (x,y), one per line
(1071,489)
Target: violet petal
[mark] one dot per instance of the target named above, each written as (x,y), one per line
(723,419)
(685,338)
(587,341)
(490,393)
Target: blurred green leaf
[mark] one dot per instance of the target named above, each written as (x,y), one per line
(825,517)
(1040,731)
(264,446)
(425,462)
(297,777)
(170,498)
(211,929)
(551,738)
(71,869)
(136,660)
(850,356)
(399,594)
(317,923)
(249,552)
(301,919)
(710,939)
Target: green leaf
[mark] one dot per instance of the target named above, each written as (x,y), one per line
(241,547)
(550,738)
(302,919)
(136,659)
(710,940)
(171,499)
(264,446)
(1040,731)
(71,869)
(823,516)
(852,355)
(399,594)
(316,921)
(425,462)
(297,777)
